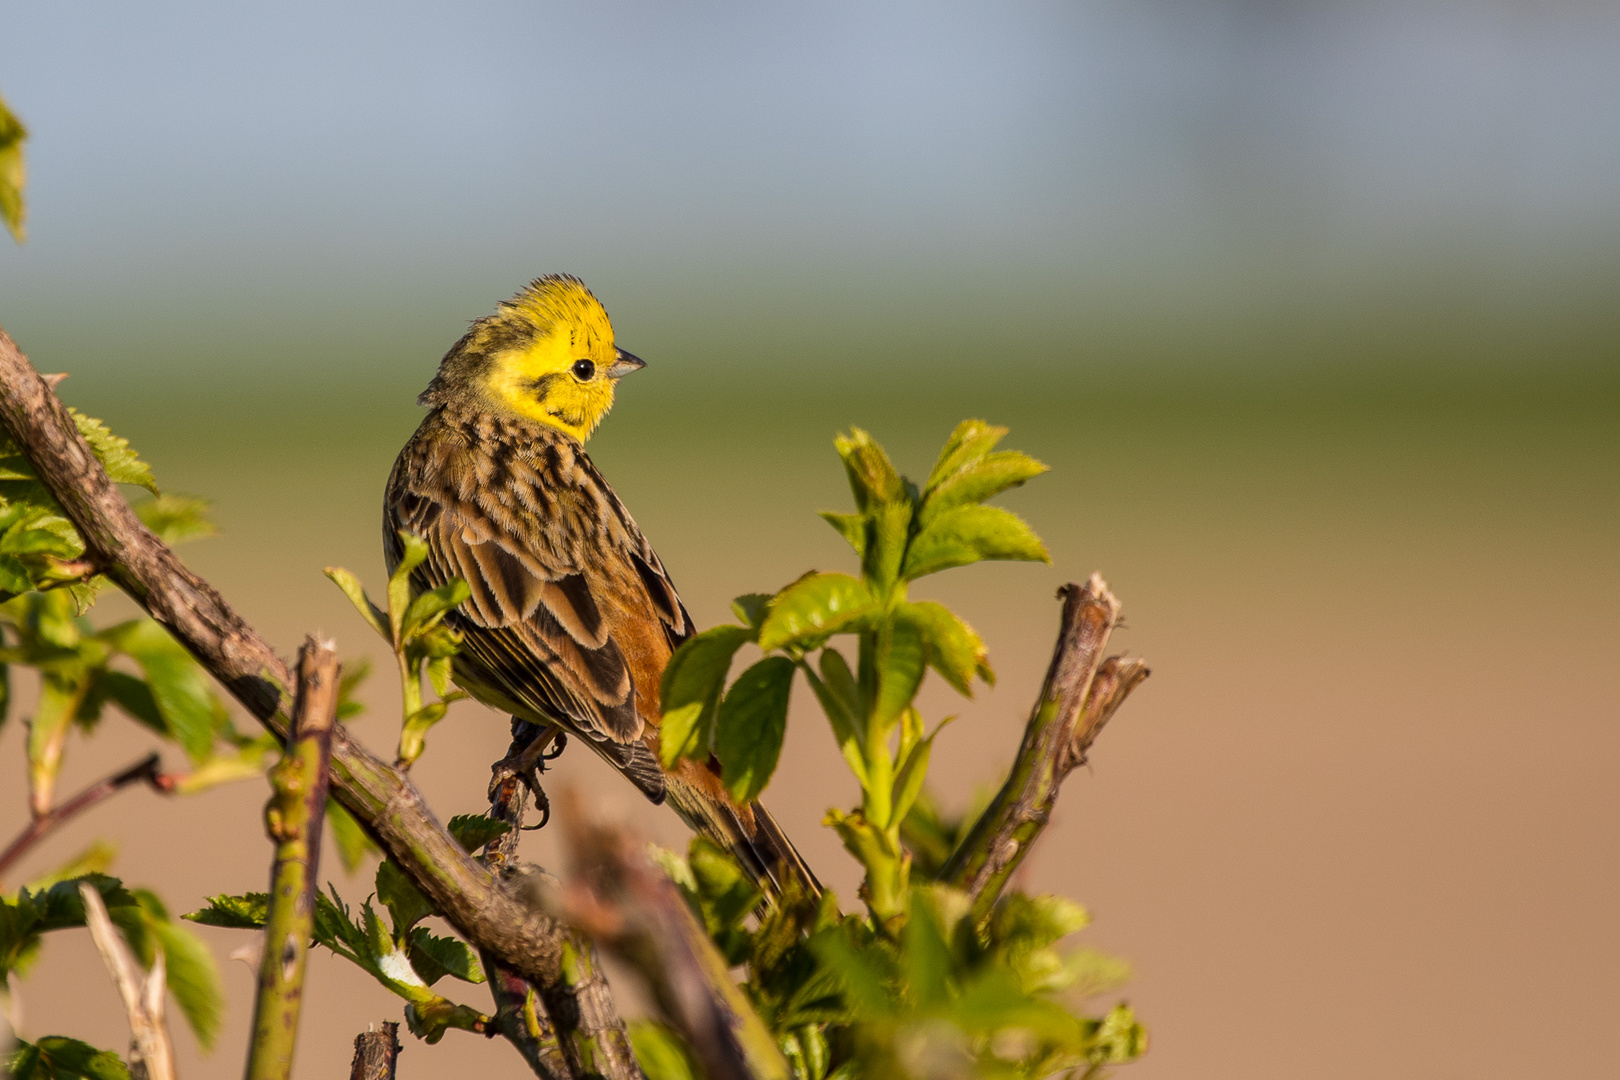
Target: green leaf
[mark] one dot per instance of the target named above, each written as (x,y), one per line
(249,761)
(971,440)
(353,845)
(123,465)
(926,952)
(978,481)
(840,701)
(860,971)
(429,607)
(908,780)
(14,576)
(193,979)
(1120,1037)
(356,593)
(1034,922)
(413,735)
(729,895)
(405,903)
(95,859)
(21,539)
(355,672)
(890,525)
(414,554)
(131,695)
(56,1057)
(59,700)
(814,607)
(439,671)
(660,1052)
(434,957)
(952,648)
(245,912)
(872,477)
(690,692)
(852,527)
(179,686)
(752,724)
(177,518)
(473,831)
(968,534)
(750,608)
(901,662)
(13,174)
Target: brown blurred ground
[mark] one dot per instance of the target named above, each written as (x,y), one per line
(1360,821)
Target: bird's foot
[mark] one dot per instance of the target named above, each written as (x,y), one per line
(525,765)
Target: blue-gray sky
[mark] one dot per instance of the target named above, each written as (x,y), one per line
(242,166)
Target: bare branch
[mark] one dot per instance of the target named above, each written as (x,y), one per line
(40,827)
(150,1053)
(631,908)
(376,1052)
(293,819)
(143,566)
(1074,703)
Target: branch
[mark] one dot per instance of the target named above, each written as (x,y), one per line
(1076,700)
(375,1053)
(126,551)
(146,769)
(293,819)
(151,1056)
(628,905)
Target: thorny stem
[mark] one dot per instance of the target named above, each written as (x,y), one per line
(293,819)
(40,827)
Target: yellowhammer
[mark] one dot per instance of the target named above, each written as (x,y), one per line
(572,616)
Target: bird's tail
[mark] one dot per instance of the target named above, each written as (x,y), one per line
(749,832)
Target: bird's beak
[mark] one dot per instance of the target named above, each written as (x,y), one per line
(624,363)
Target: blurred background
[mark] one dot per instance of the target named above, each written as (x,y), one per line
(1314,308)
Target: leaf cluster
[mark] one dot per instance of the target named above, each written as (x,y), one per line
(846,1000)
(900,532)
(54,903)
(423,644)
(403,955)
(917,986)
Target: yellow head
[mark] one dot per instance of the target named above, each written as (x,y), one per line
(546,354)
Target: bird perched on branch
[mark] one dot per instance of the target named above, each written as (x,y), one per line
(571,617)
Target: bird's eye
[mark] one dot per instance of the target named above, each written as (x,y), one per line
(583,370)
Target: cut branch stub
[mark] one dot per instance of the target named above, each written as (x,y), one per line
(376,1053)
(293,818)
(1065,719)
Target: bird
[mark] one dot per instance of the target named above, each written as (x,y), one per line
(571,616)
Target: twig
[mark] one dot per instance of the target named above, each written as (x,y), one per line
(1062,725)
(293,819)
(150,1055)
(376,1052)
(40,827)
(488,915)
(631,908)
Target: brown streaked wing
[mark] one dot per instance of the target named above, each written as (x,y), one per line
(561,623)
